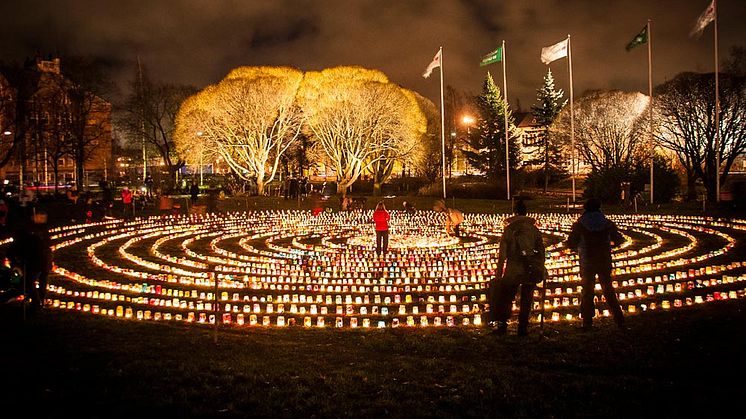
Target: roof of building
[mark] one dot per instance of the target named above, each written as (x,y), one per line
(525,120)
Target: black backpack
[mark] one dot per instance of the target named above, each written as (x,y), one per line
(526,252)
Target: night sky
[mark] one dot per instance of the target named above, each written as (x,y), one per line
(197,42)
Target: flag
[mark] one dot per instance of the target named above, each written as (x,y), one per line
(432,65)
(554,52)
(704,19)
(640,39)
(492,57)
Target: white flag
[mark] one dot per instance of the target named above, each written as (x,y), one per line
(554,52)
(704,19)
(431,67)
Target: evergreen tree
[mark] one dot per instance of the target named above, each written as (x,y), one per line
(550,104)
(486,151)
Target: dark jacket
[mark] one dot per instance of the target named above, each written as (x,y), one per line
(31,249)
(514,269)
(592,235)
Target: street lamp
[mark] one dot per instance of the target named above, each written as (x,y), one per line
(467,120)
(7,132)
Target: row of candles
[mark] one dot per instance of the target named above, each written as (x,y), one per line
(465,318)
(349,304)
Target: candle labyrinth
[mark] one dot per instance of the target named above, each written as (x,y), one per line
(291,268)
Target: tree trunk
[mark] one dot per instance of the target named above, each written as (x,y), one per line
(546,164)
(259,186)
(56,174)
(342,187)
(377,186)
(710,188)
(79,173)
(691,189)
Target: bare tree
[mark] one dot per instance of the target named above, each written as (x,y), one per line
(250,118)
(607,128)
(8,121)
(150,114)
(50,124)
(87,115)
(17,86)
(686,117)
(430,141)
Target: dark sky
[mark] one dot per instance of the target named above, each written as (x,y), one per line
(197,42)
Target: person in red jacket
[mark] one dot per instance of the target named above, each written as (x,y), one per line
(127,208)
(381,217)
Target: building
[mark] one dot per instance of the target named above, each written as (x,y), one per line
(58,122)
(531,138)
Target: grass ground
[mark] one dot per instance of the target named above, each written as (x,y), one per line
(687,363)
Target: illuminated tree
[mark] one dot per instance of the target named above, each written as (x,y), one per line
(487,140)
(685,109)
(362,121)
(250,119)
(407,146)
(607,128)
(549,105)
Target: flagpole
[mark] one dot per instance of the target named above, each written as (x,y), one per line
(507,147)
(142,120)
(717,109)
(650,107)
(442,123)
(572,119)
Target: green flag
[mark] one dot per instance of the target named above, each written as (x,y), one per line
(492,57)
(640,39)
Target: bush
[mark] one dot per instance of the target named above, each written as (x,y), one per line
(666,179)
(535,178)
(606,184)
(466,187)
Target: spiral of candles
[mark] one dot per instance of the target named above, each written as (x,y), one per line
(293,269)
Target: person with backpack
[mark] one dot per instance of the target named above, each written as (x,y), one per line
(520,264)
(592,236)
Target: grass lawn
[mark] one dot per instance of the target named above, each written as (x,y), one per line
(688,363)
